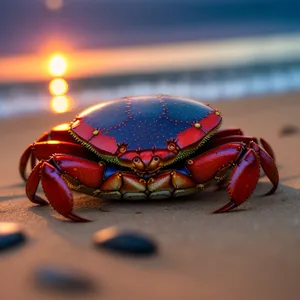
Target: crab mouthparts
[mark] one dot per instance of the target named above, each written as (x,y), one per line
(146,173)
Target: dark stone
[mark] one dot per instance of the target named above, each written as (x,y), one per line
(10,235)
(130,242)
(289,130)
(63,279)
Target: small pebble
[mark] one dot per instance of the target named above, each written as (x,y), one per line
(130,242)
(10,235)
(289,130)
(62,279)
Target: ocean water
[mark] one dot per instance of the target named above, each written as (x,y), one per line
(206,86)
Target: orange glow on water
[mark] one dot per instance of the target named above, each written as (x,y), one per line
(61,104)
(57,65)
(58,87)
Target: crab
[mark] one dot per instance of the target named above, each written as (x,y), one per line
(145,148)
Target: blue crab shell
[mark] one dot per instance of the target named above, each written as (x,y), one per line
(145,122)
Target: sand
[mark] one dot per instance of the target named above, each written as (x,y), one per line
(252,253)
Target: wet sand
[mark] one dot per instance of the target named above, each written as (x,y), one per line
(251,253)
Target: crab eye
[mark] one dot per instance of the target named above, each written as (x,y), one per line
(136,160)
(155,158)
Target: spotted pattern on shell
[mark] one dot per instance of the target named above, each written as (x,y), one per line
(146,122)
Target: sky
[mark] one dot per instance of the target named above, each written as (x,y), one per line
(27,27)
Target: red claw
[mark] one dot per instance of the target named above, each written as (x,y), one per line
(242,160)
(229,206)
(57,192)
(55,188)
(243,181)
(32,185)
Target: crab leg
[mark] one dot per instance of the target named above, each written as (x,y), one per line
(205,166)
(237,138)
(227,132)
(236,135)
(244,139)
(267,147)
(268,165)
(58,193)
(231,139)
(245,174)
(59,133)
(43,150)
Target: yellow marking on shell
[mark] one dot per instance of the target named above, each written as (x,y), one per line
(197,125)
(217,113)
(95,132)
(122,149)
(171,147)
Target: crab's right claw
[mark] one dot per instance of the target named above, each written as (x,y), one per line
(243,181)
(55,189)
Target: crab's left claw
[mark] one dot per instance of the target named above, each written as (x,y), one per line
(58,193)
(55,188)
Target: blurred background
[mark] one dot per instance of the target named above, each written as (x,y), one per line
(60,55)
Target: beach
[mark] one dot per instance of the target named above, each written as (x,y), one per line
(250,253)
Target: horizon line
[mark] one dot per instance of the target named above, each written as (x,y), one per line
(154,58)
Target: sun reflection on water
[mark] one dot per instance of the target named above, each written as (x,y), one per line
(61,104)
(58,86)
